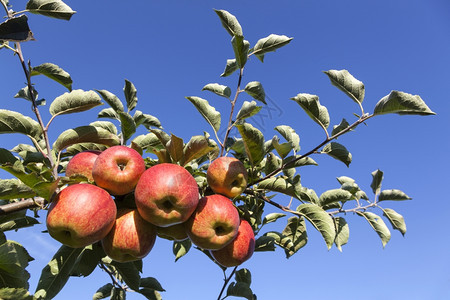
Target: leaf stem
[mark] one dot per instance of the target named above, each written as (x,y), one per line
(225,283)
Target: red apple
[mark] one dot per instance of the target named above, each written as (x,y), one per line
(239,250)
(117,169)
(82,164)
(175,232)
(80,215)
(131,237)
(166,194)
(227,176)
(214,223)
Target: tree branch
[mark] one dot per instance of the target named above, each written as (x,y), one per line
(21,205)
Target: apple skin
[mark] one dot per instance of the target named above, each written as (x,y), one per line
(227,176)
(175,232)
(82,164)
(214,223)
(239,250)
(80,215)
(117,169)
(166,194)
(131,237)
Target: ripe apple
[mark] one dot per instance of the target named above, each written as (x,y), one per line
(175,232)
(214,223)
(166,194)
(239,250)
(227,176)
(80,215)
(131,237)
(117,169)
(82,164)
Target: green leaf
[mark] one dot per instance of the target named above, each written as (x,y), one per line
(342,232)
(75,101)
(180,249)
(321,220)
(269,44)
(207,111)
(345,81)
(151,283)
(56,273)
(256,90)
(312,106)
(240,289)
(397,221)
(377,178)
(345,179)
(403,104)
(74,149)
(338,152)
(103,292)
(197,147)
(55,73)
(85,134)
(333,196)
(147,141)
(14,258)
(395,195)
(253,141)
(147,120)
(265,243)
(282,149)
(112,100)
(293,237)
(338,128)
(88,260)
(175,147)
(378,225)
(108,113)
(127,125)
(25,94)
(150,294)
(229,22)
(244,276)
(290,135)
(130,95)
(14,122)
(304,161)
(15,29)
(105,125)
(23,222)
(240,47)
(273,162)
(248,110)
(15,294)
(118,293)
(129,273)
(218,89)
(230,67)
(278,184)
(50,8)
(272,217)
(14,189)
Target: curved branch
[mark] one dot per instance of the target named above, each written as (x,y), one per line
(21,205)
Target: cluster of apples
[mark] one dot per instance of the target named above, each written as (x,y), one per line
(167,204)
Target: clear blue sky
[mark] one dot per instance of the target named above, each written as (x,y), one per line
(171,49)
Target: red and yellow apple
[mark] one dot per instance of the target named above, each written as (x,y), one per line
(118,169)
(166,194)
(80,215)
(214,223)
(175,232)
(227,176)
(131,237)
(239,250)
(82,164)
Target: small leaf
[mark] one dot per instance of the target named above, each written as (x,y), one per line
(127,125)
(55,73)
(293,237)
(311,105)
(118,293)
(75,101)
(282,149)
(338,128)
(14,122)
(256,90)
(403,104)
(253,141)
(230,67)
(197,147)
(85,134)
(56,273)
(130,95)
(333,196)
(14,189)
(240,47)
(395,195)
(103,292)
(129,273)
(342,232)
(240,289)
(147,120)
(270,43)
(290,135)
(50,8)
(218,89)
(19,223)
(112,100)
(397,221)
(377,178)
(88,260)
(304,161)
(278,184)
(344,81)
(244,276)
(338,152)
(229,22)
(16,29)
(272,217)
(378,225)
(248,110)
(25,94)
(15,294)
(207,111)
(151,283)
(273,162)
(345,179)
(321,220)
(265,243)
(147,141)
(105,125)
(175,147)
(180,249)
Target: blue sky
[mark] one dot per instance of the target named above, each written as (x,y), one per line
(170,50)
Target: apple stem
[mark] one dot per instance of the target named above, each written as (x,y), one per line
(226,281)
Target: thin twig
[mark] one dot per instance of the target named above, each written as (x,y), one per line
(225,283)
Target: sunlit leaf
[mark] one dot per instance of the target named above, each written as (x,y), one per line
(378,225)
(293,237)
(85,134)
(345,81)
(395,195)
(303,161)
(282,149)
(272,217)
(273,163)
(14,189)
(240,47)
(127,125)
(253,141)
(342,232)
(403,104)
(14,122)
(290,135)
(229,22)
(248,110)
(25,94)
(55,73)
(175,147)
(130,93)
(218,89)
(15,294)
(180,249)
(265,243)
(230,67)
(75,101)
(50,8)
(338,128)
(377,178)
(197,147)
(397,221)
(278,184)
(207,111)
(147,120)
(108,113)
(332,196)
(112,100)
(338,152)
(269,44)
(256,90)
(311,105)
(105,125)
